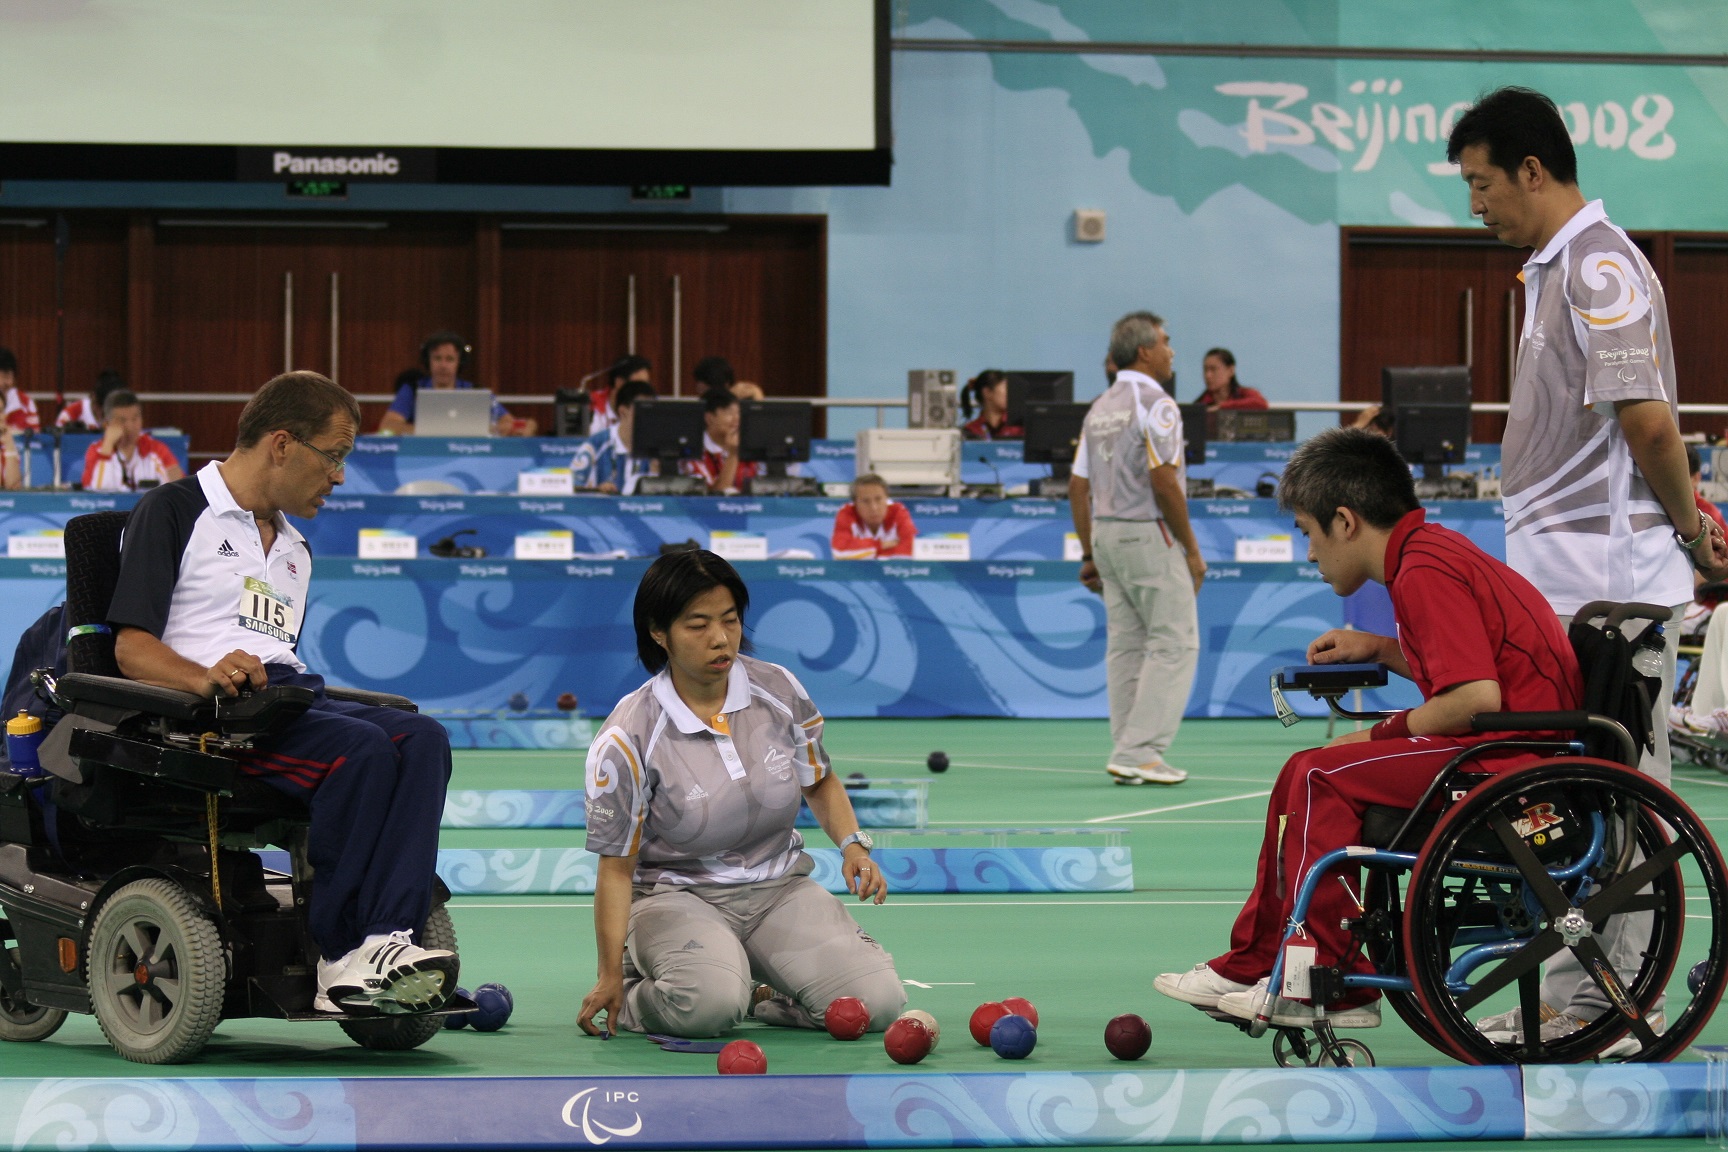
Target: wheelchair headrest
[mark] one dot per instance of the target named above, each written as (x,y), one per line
(92,570)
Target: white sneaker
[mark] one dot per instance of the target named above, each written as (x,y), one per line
(1199,985)
(1156,772)
(387,974)
(1508,1028)
(1291,1014)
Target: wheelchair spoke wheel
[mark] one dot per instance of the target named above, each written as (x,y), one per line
(21,1021)
(1355,1055)
(1569,879)
(1293,1048)
(157,973)
(401,1033)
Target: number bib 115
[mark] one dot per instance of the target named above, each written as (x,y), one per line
(263,609)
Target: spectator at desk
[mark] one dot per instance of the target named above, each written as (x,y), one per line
(1223,390)
(989,390)
(443,358)
(602,399)
(719,466)
(872,527)
(713,372)
(84,413)
(127,457)
(602,462)
(747,390)
(20,411)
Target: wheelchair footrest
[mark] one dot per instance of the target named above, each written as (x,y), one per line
(455,1006)
(183,766)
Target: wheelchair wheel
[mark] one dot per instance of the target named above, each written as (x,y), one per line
(1292,1048)
(1356,1055)
(1384,948)
(21,1021)
(157,973)
(1553,895)
(401,1033)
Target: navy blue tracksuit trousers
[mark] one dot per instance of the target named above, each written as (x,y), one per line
(375,780)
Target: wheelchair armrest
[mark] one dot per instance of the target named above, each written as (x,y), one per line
(1558,721)
(376,699)
(118,692)
(1329,679)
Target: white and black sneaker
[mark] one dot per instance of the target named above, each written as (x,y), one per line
(389,975)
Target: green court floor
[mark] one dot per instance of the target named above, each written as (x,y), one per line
(1080,958)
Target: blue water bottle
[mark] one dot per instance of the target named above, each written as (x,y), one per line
(23,736)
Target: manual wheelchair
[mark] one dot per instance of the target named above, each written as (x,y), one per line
(1491,875)
(129,883)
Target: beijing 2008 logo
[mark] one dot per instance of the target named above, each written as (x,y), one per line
(592,1128)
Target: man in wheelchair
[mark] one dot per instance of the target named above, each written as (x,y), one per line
(210,600)
(1475,637)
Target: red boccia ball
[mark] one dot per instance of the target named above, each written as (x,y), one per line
(742,1058)
(846,1018)
(567,702)
(1020,1006)
(983,1019)
(907,1041)
(1128,1037)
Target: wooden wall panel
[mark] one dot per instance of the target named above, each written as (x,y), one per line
(95,303)
(1697,284)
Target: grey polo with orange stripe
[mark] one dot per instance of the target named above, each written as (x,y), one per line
(1131,429)
(706,801)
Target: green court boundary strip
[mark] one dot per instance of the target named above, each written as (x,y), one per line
(1012,1109)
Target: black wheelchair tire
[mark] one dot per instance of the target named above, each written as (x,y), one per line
(403,1033)
(1660,811)
(22,1022)
(189,948)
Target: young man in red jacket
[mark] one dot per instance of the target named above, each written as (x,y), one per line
(872,527)
(1475,637)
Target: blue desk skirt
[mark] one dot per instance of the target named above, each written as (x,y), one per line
(866,638)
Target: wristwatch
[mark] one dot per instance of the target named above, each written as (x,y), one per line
(861,838)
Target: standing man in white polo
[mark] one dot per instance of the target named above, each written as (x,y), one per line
(1598,495)
(1129,501)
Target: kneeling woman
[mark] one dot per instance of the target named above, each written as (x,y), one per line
(704,888)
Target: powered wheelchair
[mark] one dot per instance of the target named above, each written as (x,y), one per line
(1468,894)
(129,883)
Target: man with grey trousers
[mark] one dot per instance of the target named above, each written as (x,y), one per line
(1130,506)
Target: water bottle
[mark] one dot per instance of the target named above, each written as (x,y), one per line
(23,737)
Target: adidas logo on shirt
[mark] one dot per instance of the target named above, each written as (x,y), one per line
(227,551)
(697,792)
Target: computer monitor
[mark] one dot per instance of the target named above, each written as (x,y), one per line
(1430,408)
(1036,388)
(1053,435)
(666,430)
(572,412)
(1193,433)
(774,432)
(453,412)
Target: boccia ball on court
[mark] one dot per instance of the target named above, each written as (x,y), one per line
(502,991)
(983,1018)
(937,762)
(518,702)
(493,1011)
(742,1058)
(1696,977)
(846,1018)
(459,1019)
(1013,1037)
(929,1023)
(1020,1006)
(567,702)
(907,1041)
(1127,1036)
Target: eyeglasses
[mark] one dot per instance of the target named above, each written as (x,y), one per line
(336,463)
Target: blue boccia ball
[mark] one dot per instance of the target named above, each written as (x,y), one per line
(518,702)
(493,1011)
(458,1019)
(1695,978)
(503,991)
(1013,1037)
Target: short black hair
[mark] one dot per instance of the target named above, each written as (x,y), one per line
(1348,468)
(1514,123)
(8,362)
(715,372)
(121,398)
(625,367)
(464,351)
(667,588)
(716,400)
(1694,462)
(629,392)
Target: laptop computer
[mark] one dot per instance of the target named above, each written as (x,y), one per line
(453,412)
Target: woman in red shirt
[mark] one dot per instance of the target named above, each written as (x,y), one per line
(1223,390)
(872,527)
(990,388)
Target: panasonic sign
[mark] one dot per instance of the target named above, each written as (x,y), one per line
(404,165)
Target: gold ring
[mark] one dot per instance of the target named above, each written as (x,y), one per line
(236,672)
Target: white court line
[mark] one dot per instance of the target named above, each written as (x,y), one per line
(1176,807)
